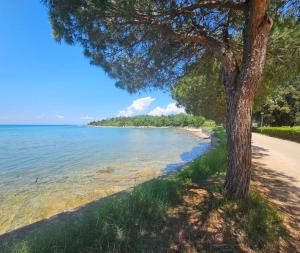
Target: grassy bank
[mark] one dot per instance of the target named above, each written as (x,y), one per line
(287,133)
(182,213)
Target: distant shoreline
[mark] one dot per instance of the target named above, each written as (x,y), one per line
(198,132)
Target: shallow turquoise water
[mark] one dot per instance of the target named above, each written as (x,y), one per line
(48,169)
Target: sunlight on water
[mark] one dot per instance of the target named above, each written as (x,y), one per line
(45,170)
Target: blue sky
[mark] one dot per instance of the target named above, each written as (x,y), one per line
(44,82)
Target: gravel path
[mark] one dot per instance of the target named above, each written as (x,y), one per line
(280,155)
(276,172)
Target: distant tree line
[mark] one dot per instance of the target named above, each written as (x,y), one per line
(179,120)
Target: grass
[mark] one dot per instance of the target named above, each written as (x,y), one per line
(284,132)
(141,221)
(255,218)
(212,164)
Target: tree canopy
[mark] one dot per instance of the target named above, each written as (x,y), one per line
(202,92)
(144,43)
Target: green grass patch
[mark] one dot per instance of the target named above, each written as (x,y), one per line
(285,132)
(209,165)
(214,163)
(261,222)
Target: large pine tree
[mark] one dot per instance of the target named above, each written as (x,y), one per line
(150,43)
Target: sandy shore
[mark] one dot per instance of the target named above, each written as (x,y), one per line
(198,132)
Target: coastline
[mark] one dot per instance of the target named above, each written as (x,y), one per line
(74,213)
(199,132)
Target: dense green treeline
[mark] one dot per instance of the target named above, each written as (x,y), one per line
(179,120)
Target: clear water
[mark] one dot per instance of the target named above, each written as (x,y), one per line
(45,170)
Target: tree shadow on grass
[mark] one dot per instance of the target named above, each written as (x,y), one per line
(192,226)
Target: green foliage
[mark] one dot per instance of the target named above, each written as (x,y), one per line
(142,43)
(214,163)
(283,58)
(282,108)
(201,90)
(179,120)
(287,133)
(119,225)
(203,94)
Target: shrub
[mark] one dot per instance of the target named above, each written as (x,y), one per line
(288,133)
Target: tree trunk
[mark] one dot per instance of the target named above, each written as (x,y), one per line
(241,83)
(239,145)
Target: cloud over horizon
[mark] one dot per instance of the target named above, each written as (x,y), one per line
(137,105)
(59,116)
(169,109)
(40,116)
(86,117)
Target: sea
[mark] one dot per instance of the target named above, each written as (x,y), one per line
(46,170)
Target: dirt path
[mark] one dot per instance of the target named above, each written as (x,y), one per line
(277,172)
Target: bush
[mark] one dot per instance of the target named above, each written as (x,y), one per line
(287,133)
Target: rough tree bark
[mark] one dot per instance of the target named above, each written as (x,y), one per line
(241,83)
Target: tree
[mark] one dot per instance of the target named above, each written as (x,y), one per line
(282,108)
(150,43)
(147,120)
(201,91)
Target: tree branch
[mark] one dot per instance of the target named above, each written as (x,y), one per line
(219,48)
(213,4)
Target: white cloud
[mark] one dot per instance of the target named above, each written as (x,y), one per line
(41,116)
(169,109)
(59,116)
(86,117)
(137,105)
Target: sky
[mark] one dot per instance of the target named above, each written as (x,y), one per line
(45,82)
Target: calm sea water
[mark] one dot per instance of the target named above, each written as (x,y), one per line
(45,170)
